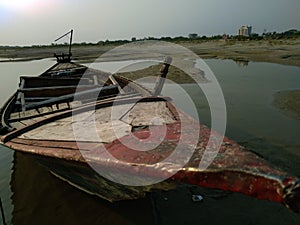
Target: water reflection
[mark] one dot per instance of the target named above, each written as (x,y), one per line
(6,158)
(40,198)
(242,63)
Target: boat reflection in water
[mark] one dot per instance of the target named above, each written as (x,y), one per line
(40,198)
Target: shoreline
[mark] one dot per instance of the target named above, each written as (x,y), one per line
(288,103)
(286,51)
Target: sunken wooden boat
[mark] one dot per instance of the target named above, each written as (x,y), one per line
(38,120)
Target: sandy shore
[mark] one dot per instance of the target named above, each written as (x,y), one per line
(288,102)
(275,51)
(286,51)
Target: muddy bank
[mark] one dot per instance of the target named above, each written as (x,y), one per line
(288,102)
(175,74)
(285,51)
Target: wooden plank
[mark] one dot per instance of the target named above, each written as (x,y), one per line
(62,66)
(55,88)
(95,80)
(48,151)
(14,116)
(20,87)
(84,108)
(17,125)
(44,113)
(23,103)
(105,124)
(5,112)
(69,97)
(157,114)
(42,110)
(162,76)
(135,87)
(30,93)
(68,145)
(20,96)
(38,99)
(32,82)
(30,121)
(105,131)
(114,81)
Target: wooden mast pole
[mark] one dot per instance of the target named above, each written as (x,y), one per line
(70,47)
(162,76)
(62,59)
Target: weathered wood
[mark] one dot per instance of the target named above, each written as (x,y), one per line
(23,103)
(104,125)
(21,86)
(95,80)
(114,81)
(20,96)
(14,116)
(157,114)
(162,76)
(28,121)
(103,91)
(37,99)
(234,168)
(55,91)
(32,82)
(84,108)
(5,112)
(55,69)
(67,145)
(17,125)
(36,116)
(135,87)
(47,151)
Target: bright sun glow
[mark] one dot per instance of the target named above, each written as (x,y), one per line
(26,6)
(18,4)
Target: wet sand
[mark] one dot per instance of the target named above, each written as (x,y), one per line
(175,74)
(288,102)
(285,51)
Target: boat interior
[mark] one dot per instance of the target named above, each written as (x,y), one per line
(54,91)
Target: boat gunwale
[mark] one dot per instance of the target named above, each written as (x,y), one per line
(79,110)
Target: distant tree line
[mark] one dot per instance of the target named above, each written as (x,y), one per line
(194,37)
(287,34)
(254,36)
(293,33)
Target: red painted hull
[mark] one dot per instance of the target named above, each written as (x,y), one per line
(234,169)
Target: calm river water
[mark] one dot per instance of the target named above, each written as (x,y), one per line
(31,195)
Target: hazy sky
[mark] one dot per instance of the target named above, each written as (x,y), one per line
(28,22)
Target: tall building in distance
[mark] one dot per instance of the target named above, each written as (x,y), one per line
(245,31)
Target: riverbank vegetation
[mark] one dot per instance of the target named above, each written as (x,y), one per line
(282,48)
(193,37)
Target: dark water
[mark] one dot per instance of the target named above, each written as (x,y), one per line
(31,195)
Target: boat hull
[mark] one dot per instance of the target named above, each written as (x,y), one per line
(234,169)
(55,129)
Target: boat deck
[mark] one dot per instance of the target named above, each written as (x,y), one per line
(72,117)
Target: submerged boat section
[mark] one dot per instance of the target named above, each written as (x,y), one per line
(92,129)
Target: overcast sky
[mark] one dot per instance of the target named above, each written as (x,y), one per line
(28,22)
